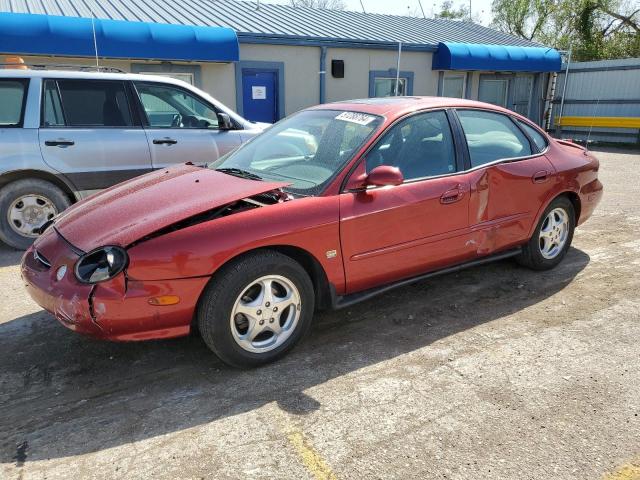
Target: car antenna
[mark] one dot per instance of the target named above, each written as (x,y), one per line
(95,42)
(595,109)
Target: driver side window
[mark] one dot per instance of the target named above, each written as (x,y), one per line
(171,107)
(420,146)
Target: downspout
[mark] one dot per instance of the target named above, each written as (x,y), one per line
(564,92)
(323,74)
(398,67)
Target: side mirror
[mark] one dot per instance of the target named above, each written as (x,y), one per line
(384,175)
(224,122)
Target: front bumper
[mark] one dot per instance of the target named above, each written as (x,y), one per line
(115,310)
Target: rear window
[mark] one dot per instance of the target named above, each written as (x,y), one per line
(12,100)
(492,136)
(93,103)
(535,135)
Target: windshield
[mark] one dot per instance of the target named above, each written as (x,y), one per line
(307,150)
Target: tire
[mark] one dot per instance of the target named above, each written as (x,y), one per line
(240,285)
(34,189)
(536,254)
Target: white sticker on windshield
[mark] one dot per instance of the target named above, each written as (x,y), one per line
(355,117)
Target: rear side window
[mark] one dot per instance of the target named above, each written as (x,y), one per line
(52,108)
(93,103)
(535,135)
(492,136)
(12,99)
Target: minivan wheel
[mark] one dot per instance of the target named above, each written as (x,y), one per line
(26,205)
(552,237)
(256,309)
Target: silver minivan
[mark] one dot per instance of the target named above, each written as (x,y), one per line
(67,134)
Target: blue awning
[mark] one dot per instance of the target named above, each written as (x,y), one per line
(497,58)
(29,34)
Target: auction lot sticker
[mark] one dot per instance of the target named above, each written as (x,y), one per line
(355,117)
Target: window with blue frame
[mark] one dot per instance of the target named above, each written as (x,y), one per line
(383,83)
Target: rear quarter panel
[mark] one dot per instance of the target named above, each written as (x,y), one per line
(576,172)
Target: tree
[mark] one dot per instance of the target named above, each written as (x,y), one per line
(327,4)
(595,29)
(448,10)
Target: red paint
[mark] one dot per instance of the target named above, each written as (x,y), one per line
(380,234)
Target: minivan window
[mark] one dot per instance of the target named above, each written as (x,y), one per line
(12,96)
(52,107)
(535,135)
(492,136)
(95,103)
(172,107)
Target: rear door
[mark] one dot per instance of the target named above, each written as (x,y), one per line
(509,177)
(88,133)
(389,233)
(182,127)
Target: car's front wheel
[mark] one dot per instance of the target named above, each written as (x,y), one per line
(26,205)
(552,236)
(256,308)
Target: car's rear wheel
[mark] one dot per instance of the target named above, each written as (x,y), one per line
(256,309)
(26,205)
(552,236)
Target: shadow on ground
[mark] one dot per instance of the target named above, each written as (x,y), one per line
(9,256)
(64,395)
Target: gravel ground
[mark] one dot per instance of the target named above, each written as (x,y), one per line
(494,372)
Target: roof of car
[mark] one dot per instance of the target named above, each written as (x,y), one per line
(397,106)
(86,75)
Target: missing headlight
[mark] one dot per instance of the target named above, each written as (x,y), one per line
(101,264)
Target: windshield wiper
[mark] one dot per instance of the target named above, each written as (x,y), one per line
(238,172)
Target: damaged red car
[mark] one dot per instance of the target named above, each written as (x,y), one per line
(326,208)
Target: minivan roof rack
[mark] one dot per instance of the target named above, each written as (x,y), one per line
(60,66)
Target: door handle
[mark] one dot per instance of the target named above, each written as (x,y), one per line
(164,141)
(540,177)
(59,143)
(453,195)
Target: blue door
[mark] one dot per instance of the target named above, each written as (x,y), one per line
(259,95)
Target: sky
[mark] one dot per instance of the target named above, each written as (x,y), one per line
(481,8)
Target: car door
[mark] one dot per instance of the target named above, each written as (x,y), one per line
(89,134)
(182,127)
(510,179)
(389,233)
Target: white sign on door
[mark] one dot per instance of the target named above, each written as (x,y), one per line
(259,93)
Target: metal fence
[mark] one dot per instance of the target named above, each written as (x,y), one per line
(601,102)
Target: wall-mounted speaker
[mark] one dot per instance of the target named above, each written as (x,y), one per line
(337,68)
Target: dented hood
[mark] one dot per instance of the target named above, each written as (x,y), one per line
(131,210)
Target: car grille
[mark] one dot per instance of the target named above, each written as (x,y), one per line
(41,259)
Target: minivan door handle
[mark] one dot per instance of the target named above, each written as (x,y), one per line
(59,143)
(164,141)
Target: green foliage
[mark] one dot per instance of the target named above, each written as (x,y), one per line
(448,10)
(595,29)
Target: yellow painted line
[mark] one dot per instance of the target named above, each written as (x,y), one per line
(630,471)
(310,458)
(610,122)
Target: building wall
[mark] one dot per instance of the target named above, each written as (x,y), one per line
(359,61)
(301,71)
(606,88)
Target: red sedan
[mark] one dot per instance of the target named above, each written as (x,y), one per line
(328,207)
